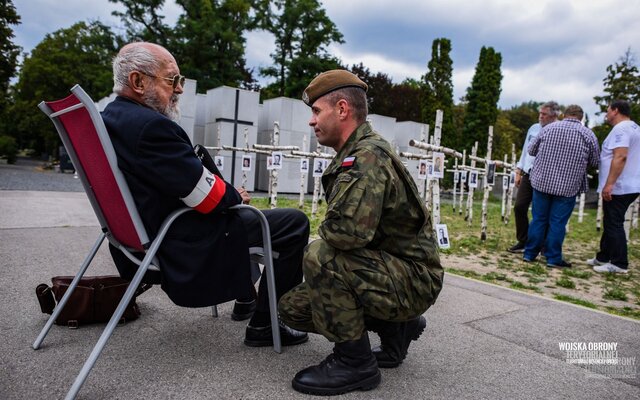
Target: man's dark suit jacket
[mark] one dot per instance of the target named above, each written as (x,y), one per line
(204,258)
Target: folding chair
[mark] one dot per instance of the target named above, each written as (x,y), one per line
(85,137)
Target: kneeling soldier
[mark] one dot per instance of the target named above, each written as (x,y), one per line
(376,266)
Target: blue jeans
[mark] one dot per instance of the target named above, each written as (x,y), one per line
(613,243)
(549,214)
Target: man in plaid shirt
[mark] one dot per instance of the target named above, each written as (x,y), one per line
(563,150)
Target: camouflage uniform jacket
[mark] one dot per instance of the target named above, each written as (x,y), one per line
(374,203)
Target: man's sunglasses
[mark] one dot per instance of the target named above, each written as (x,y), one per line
(175,80)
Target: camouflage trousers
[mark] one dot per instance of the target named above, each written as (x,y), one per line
(342,288)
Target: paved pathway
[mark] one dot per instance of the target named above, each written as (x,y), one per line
(481,342)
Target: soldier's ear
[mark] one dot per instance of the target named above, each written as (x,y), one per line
(343,109)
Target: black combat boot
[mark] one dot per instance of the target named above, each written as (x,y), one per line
(350,367)
(395,338)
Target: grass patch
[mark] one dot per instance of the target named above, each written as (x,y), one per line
(536,279)
(467,245)
(565,282)
(615,293)
(461,272)
(613,277)
(577,273)
(625,312)
(505,263)
(534,269)
(574,300)
(636,292)
(263,204)
(521,286)
(495,276)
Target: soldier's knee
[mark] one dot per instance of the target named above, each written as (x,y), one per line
(295,311)
(284,306)
(317,253)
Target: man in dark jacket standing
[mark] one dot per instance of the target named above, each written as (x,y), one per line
(204,258)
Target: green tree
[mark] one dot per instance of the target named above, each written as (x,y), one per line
(8,148)
(622,83)
(379,87)
(459,113)
(504,134)
(9,50)
(522,117)
(400,101)
(302,33)
(405,100)
(482,98)
(8,65)
(81,54)
(142,21)
(437,93)
(209,42)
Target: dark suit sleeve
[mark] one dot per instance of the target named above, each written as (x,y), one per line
(168,162)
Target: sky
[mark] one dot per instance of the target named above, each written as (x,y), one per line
(551,50)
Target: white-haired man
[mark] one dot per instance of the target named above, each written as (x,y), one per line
(205,257)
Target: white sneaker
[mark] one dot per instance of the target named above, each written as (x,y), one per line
(594,262)
(608,267)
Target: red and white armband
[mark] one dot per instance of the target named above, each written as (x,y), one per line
(207,193)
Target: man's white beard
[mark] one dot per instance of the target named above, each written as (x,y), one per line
(171,111)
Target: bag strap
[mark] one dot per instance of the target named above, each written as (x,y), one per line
(45,298)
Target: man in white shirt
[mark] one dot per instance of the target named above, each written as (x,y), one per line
(549,113)
(619,185)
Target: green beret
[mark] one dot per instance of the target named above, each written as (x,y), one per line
(328,82)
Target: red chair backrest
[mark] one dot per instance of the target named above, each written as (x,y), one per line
(91,156)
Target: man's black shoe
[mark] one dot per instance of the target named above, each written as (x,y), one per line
(243,310)
(350,367)
(261,336)
(560,264)
(395,338)
(516,248)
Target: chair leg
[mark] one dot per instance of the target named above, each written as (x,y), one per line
(126,298)
(108,331)
(268,270)
(67,294)
(214,311)
(273,306)
(271,283)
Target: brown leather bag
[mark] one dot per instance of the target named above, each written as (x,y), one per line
(94,300)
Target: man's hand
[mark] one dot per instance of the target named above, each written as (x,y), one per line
(518,179)
(606,192)
(246,199)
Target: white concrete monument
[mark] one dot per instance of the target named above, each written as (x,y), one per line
(231,110)
(404,132)
(293,118)
(386,127)
(199,124)
(188,109)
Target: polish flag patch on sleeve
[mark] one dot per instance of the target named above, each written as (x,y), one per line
(348,162)
(207,193)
